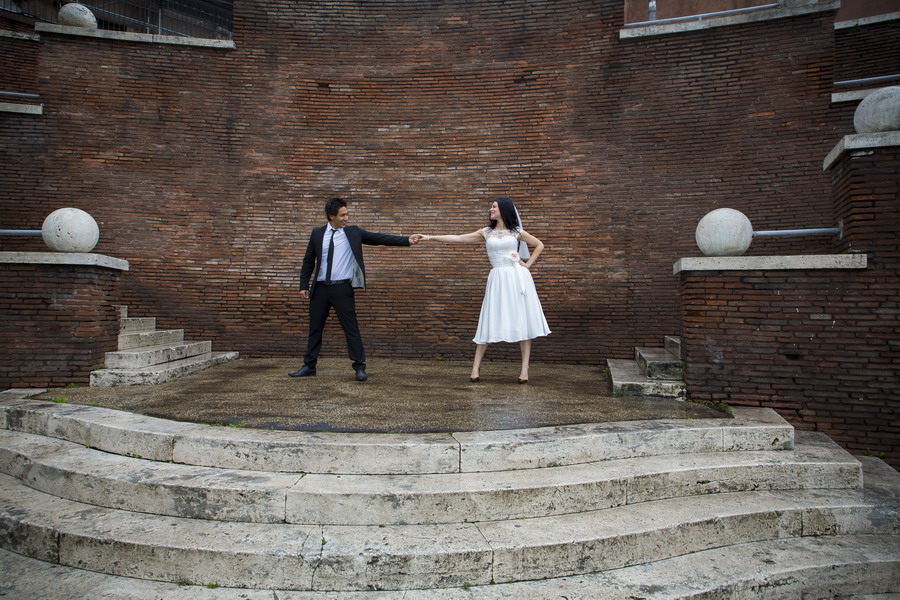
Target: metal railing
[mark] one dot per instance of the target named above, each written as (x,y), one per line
(21,232)
(18,96)
(869,80)
(652,20)
(208,19)
(799,232)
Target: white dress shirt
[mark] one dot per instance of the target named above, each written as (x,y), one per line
(342,267)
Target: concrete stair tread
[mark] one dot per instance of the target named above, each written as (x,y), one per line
(853,567)
(157,337)
(160,373)
(657,354)
(659,364)
(394,557)
(137,324)
(148,356)
(153,347)
(129,434)
(628,379)
(70,470)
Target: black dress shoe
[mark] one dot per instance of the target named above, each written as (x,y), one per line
(361,375)
(304,372)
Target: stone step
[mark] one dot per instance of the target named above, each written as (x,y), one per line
(127,434)
(159,373)
(147,356)
(659,363)
(551,491)
(75,472)
(860,567)
(628,380)
(672,343)
(137,325)
(157,337)
(346,558)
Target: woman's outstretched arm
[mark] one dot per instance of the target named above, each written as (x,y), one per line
(466,238)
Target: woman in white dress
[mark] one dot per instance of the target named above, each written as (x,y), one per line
(511,311)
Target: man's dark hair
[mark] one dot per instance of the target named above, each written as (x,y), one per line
(333,206)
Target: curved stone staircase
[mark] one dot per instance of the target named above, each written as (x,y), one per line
(97,503)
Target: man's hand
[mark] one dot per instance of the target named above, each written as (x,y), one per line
(415,239)
(304,294)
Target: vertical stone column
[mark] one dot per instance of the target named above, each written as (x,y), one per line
(58,316)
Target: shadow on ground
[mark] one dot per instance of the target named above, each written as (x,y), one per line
(405,396)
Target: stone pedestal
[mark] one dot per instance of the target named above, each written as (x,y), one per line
(815,337)
(865,176)
(58,316)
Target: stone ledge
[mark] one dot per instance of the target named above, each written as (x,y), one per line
(852,96)
(860,141)
(708,21)
(771,263)
(31,37)
(64,258)
(134,37)
(867,21)
(25,109)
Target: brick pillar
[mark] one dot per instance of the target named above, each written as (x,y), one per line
(58,317)
(866,198)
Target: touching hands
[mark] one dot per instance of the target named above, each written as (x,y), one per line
(416,238)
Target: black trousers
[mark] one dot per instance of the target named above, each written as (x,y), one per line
(341,297)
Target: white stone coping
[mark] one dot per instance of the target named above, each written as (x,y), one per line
(852,96)
(861,141)
(31,37)
(786,9)
(64,258)
(771,263)
(25,109)
(134,37)
(867,20)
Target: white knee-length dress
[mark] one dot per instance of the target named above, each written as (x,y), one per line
(511,310)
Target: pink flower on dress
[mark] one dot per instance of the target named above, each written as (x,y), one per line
(514,256)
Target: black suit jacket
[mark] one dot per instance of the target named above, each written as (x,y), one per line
(357,237)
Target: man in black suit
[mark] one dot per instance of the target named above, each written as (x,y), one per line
(334,254)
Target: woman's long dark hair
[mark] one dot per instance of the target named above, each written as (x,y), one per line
(507,213)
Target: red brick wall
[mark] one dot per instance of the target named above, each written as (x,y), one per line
(56,323)
(867,51)
(863,52)
(206,168)
(820,347)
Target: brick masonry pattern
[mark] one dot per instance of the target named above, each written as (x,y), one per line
(820,347)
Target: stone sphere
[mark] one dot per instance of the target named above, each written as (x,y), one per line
(879,111)
(70,230)
(724,232)
(77,15)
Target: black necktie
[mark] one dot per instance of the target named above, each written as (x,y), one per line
(330,257)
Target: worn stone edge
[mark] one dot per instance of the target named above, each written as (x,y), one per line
(700,23)
(64,258)
(771,263)
(134,37)
(860,141)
